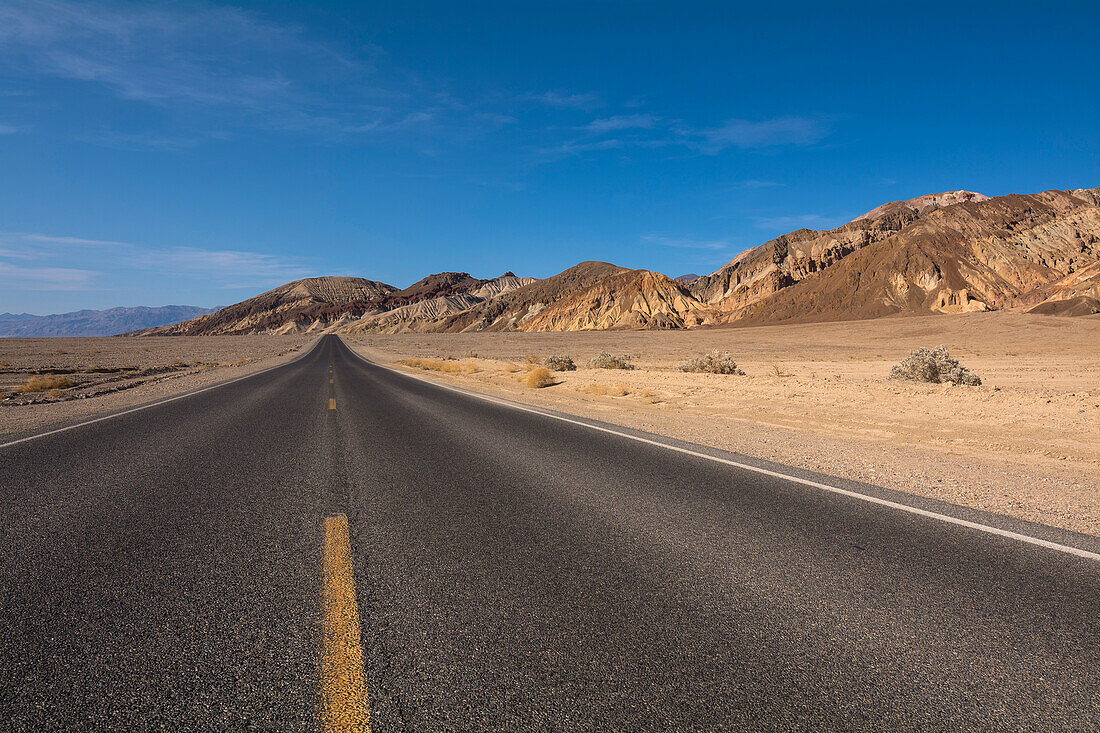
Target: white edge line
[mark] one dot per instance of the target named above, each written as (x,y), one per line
(756,469)
(165,401)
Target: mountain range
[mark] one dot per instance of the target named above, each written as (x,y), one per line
(951,252)
(95,323)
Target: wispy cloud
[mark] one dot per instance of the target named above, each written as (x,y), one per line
(44,239)
(647,130)
(11,129)
(756,183)
(16,277)
(715,245)
(568,100)
(228,69)
(747,134)
(621,122)
(110,258)
(258,268)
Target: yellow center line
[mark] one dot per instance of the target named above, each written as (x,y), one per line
(343,691)
(332,403)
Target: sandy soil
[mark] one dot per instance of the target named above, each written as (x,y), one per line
(114,373)
(1026,443)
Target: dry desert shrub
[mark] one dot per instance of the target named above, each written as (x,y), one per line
(539,377)
(510,368)
(560,363)
(716,362)
(44,383)
(604,360)
(55,393)
(935,366)
(447,367)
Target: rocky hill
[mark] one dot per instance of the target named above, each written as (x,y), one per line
(1012,251)
(950,252)
(312,304)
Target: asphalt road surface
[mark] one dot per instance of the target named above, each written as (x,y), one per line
(163,570)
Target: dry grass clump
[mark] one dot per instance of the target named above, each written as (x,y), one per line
(539,377)
(560,363)
(510,368)
(715,362)
(604,360)
(935,366)
(447,367)
(44,383)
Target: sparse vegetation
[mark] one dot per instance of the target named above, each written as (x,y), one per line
(560,363)
(447,367)
(604,360)
(715,362)
(539,377)
(56,393)
(935,366)
(510,368)
(46,382)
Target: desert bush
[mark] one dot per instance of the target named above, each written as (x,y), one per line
(447,367)
(604,360)
(539,377)
(46,382)
(510,368)
(716,362)
(560,363)
(935,366)
(55,393)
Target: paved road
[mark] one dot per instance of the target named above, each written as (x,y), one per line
(162,569)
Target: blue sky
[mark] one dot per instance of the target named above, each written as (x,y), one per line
(199,153)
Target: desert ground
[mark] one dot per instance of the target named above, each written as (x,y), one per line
(113,373)
(1026,443)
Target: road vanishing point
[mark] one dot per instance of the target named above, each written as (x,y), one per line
(333,545)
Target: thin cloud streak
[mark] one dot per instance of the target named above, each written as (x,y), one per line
(715,245)
(46,278)
(224,268)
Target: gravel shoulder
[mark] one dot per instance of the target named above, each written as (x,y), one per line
(115,373)
(1025,444)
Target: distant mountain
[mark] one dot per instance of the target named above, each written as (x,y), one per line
(96,323)
(951,252)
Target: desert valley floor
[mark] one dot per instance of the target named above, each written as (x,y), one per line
(1025,444)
